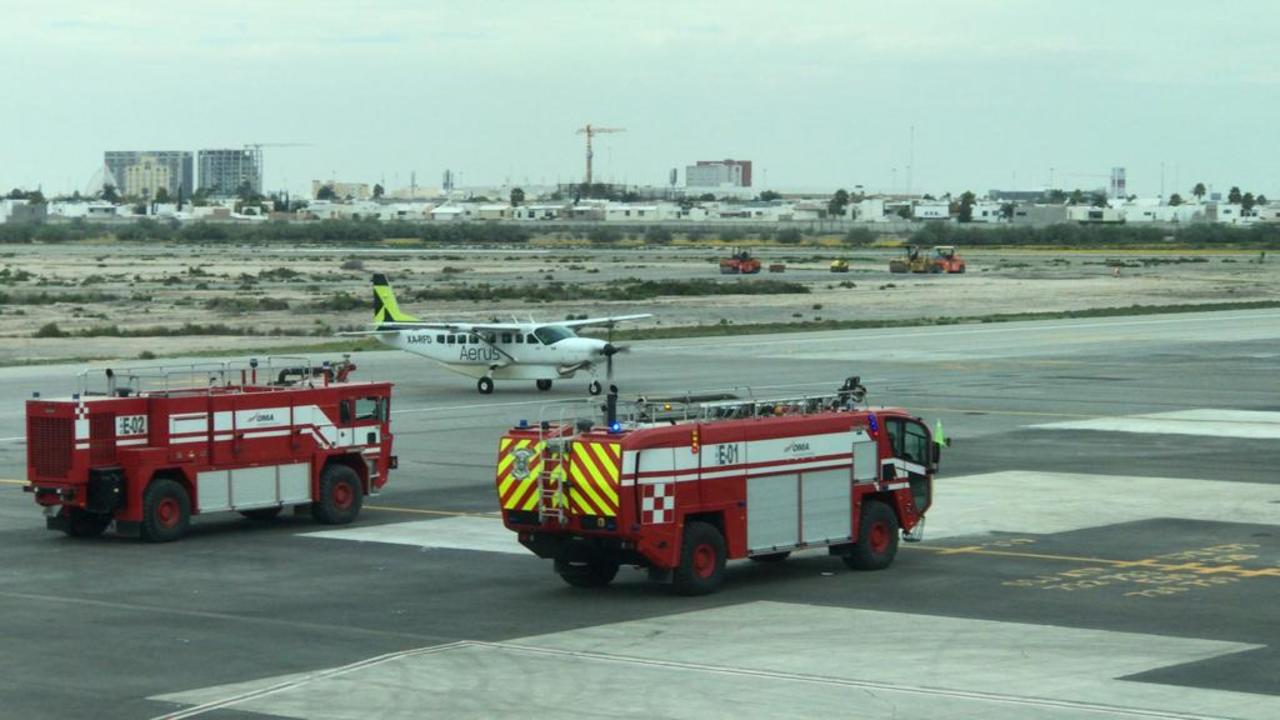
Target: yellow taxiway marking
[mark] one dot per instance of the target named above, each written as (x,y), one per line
(7,481)
(1149,563)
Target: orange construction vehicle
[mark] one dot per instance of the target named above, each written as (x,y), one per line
(739,263)
(945,259)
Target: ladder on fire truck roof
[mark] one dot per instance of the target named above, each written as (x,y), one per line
(704,407)
(278,371)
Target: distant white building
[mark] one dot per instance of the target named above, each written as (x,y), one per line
(985,211)
(931,210)
(1090,214)
(868,210)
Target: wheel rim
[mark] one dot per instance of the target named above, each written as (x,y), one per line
(168,512)
(704,560)
(878,538)
(342,496)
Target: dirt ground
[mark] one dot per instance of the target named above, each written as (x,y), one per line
(143,288)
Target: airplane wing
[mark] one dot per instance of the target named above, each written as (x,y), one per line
(600,320)
(459,327)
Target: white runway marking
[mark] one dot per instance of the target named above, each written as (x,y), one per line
(1044,503)
(1208,422)
(456,533)
(764,660)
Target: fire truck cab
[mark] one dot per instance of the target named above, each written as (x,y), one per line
(147,448)
(679,486)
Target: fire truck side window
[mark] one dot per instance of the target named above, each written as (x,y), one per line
(915,443)
(368,408)
(893,426)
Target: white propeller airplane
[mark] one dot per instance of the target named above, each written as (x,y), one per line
(490,351)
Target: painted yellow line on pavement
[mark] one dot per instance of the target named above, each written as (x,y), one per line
(1152,563)
(6,481)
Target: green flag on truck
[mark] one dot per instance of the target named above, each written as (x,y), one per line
(938,437)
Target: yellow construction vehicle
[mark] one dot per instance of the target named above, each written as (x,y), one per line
(840,265)
(911,261)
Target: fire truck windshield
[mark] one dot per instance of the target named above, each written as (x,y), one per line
(552,334)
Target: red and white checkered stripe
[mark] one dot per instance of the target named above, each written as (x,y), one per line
(657,503)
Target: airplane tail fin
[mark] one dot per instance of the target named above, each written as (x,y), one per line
(385,307)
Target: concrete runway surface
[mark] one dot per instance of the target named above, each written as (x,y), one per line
(1103,543)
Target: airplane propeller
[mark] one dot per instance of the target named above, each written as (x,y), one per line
(609,350)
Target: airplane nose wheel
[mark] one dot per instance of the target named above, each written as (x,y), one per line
(594,388)
(485,385)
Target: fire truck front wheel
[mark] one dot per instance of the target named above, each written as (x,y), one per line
(340,495)
(166,511)
(877,538)
(702,557)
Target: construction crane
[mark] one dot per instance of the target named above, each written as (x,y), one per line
(590,131)
(255,151)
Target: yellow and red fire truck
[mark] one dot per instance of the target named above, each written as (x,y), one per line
(680,485)
(150,447)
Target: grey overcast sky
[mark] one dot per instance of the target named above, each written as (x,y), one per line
(819,94)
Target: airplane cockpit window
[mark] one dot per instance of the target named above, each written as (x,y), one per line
(552,334)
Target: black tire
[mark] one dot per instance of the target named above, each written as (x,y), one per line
(877,538)
(594,388)
(702,558)
(544,385)
(262,514)
(583,566)
(771,557)
(340,495)
(166,511)
(83,524)
(485,385)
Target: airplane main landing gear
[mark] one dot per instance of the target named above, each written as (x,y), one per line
(544,385)
(485,385)
(594,388)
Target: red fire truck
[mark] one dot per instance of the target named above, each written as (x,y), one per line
(679,486)
(150,447)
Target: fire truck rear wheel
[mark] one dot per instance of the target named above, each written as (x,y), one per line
(340,496)
(702,557)
(166,511)
(583,566)
(83,524)
(877,538)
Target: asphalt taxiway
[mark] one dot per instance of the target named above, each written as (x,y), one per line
(1104,543)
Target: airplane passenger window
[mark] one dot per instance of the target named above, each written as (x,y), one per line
(519,337)
(492,338)
(440,339)
(453,339)
(506,338)
(531,340)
